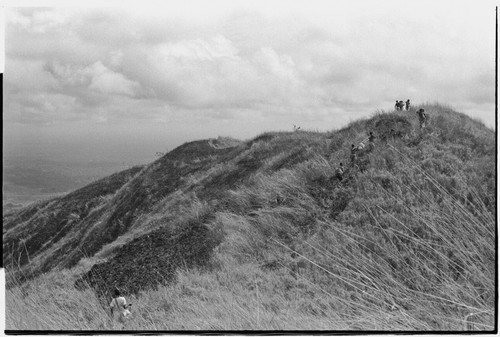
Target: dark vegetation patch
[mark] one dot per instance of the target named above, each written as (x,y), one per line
(390,126)
(152,259)
(339,201)
(321,187)
(415,141)
(332,194)
(217,185)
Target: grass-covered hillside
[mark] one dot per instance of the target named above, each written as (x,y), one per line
(260,234)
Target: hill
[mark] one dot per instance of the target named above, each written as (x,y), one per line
(261,235)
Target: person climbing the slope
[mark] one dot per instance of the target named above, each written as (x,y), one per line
(354,151)
(339,172)
(371,142)
(119,307)
(422,117)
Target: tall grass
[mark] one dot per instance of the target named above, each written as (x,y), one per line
(407,243)
(435,263)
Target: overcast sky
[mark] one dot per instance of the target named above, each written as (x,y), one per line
(144,79)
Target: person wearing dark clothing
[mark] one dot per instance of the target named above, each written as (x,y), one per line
(371,137)
(339,172)
(422,117)
(408,104)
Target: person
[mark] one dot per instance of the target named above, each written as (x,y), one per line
(408,104)
(339,172)
(119,307)
(354,150)
(371,141)
(399,105)
(422,117)
(371,137)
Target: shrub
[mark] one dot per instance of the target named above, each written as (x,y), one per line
(152,259)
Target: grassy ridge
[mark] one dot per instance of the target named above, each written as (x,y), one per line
(35,238)
(405,242)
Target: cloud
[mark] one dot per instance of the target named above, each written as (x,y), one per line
(109,82)
(104,61)
(207,73)
(95,77)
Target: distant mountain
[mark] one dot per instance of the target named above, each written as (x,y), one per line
(411,217)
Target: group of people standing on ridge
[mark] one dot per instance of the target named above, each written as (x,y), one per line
(400,105)
(356,150)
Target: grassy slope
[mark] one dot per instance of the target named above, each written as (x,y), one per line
(35,237)
(65,230)
(406,242)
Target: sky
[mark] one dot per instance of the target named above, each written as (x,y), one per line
(127,79)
